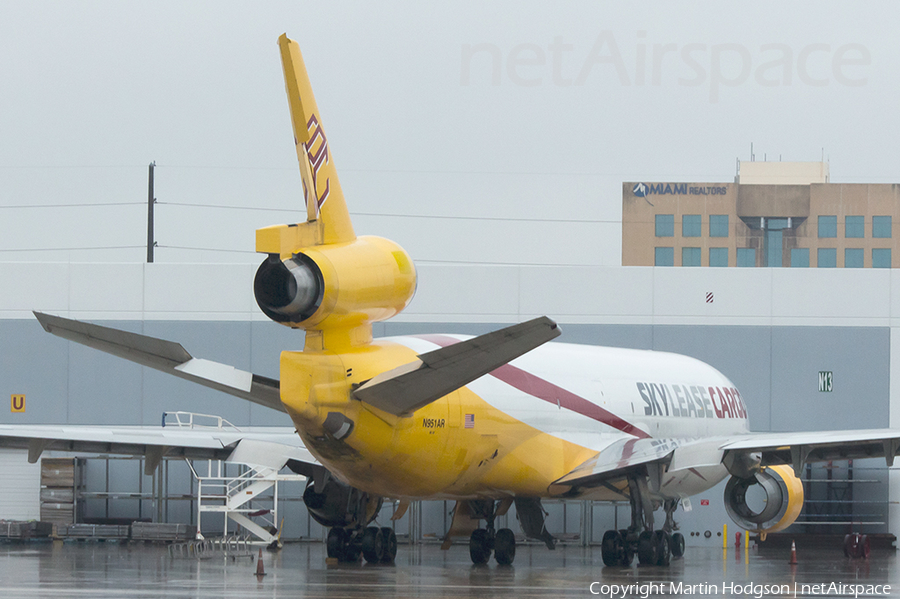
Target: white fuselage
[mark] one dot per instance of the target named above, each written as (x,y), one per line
(596,397)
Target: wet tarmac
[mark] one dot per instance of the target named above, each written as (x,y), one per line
(132,570)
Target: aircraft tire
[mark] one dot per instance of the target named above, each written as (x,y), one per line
(663,551)
(373,544)
(479,549)
(647,549)
(351,553)
(337,538)
(630,547)
(505,547)
(612,548)
(676,544)
(390,545)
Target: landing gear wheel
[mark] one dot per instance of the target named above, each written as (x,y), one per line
(505,547)
(614,549)
(479,547)
(337,539)
(351,552)
(663,553)
(647,549)
(389,538)
(676,544)
(630,540)
(610,548)
(373,544)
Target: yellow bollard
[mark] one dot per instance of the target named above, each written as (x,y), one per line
(724,536)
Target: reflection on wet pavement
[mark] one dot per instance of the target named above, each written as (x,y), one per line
(94,569)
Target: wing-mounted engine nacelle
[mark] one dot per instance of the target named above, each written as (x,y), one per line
(337,504)
(339,285)
(779,509)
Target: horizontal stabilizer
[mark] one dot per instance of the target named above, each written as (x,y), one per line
(405,389)
(167,356)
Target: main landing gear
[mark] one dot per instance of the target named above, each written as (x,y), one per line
(376,545)
(653,547)
(485,540)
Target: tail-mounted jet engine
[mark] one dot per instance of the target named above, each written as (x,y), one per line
(333,286)
(783,500)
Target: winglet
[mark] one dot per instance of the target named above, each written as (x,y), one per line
(327,218)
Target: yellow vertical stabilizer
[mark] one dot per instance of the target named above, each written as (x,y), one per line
(327,218)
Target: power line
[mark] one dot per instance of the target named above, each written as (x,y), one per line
(80,205)
(389,215)
(181,247)
(29,167)
(71,249)
(490,218)
(223,206)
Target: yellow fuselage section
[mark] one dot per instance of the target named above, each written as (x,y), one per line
(429,454)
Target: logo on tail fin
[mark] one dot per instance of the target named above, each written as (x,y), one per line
(317,155)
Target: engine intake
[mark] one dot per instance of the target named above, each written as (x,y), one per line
(289,291)
(784,499)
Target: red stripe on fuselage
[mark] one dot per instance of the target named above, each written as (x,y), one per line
(542,389)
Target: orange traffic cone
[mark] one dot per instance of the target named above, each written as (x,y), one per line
(793,561)
(260,569)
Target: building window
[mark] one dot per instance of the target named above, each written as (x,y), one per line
(881,257)
(718,225)
(718,256)
(690,256)
(746,257)
(826,257)
(827,226)
(881,226)
(853,258)
(690,225)
(665,225)
(664,257)
(800,257)
(854,226)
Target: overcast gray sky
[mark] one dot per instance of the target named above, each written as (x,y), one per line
(452,124)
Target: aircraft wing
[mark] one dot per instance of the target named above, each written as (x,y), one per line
(797,449)
(272,447)
(654,456)
(169,357)
(407,388)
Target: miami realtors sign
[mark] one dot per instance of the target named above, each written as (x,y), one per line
(643,190)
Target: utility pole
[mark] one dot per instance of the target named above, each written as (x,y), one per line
(151,243)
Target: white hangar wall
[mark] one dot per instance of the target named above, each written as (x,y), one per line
(770,330)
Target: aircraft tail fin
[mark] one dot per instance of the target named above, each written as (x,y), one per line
(327,217)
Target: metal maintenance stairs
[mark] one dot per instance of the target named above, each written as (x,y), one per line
(233,496)
(221,491)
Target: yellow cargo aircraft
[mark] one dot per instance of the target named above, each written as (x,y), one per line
(490,421)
